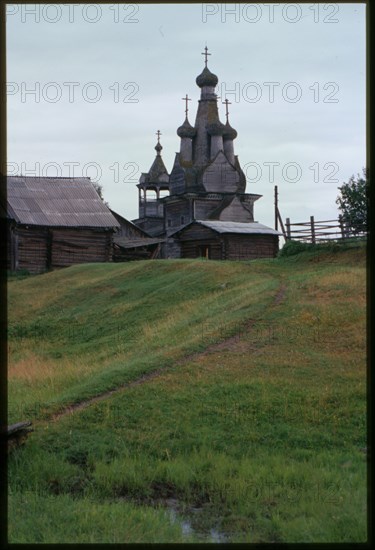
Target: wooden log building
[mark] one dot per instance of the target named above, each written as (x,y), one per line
(216,240)
(56,222)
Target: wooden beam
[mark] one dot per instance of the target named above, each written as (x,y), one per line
(312,229)
(276,208)
(282,225)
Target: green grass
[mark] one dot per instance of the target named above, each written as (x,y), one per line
(82,333)
(261,438)
(104,522)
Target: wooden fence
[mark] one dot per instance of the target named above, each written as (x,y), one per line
(319,231)
(314,231)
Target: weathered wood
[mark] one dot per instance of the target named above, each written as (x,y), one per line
(312,229)
(30,248)
(71,247)
(281,224)
(248,247)
(276,208)
(156,252)
(15,428)
(37,249)
(235,246)
(287,225)
(317,231)
(17,433)
(174,210)
(121,254)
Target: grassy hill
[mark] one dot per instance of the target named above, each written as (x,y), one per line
(182,401)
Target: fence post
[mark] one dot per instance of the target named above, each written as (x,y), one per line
(281,224)
(312,229)
(341,222)
(287,224)
(276,208)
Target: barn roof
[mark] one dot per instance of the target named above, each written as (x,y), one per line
(235,227)
(61,202)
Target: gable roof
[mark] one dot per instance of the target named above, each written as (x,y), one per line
(246,228)
(59,202)
(124,223)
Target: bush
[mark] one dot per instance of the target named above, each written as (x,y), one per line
(291,248)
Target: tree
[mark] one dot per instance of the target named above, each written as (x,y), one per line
(353,202)
(99,189)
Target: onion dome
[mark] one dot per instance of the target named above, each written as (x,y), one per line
(229,133)
(216,128)
(186,130)
(206,78)
(158,148)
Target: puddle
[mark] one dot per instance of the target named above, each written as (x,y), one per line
(192,520)
(199,520)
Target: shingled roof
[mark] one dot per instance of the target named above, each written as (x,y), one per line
(59,202)
(238,227)
(244,228)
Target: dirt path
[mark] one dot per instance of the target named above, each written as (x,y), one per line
(230,343)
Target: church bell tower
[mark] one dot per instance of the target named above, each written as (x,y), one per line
(152,187)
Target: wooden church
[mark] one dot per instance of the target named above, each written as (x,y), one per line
(201,208)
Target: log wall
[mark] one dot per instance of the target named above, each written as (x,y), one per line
(249,247)
(196,237)
(227,246)
(28,249)
(76,246)
(37,249)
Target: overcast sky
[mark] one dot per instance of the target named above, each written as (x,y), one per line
(106,78)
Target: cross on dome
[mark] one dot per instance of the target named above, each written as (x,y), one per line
(206,54)
(186,99)
(226,102)
(158,147)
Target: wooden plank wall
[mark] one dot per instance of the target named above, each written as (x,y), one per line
(190,249)
(197,235)
(29,249)
(40,248)
(236,211)
(174,211)
(197,232)
(248,247)
(203,208)
(220,176)
(128,230)
(227,247)
(171,249)
(75,246)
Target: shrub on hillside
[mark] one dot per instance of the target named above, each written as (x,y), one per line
(291,248)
